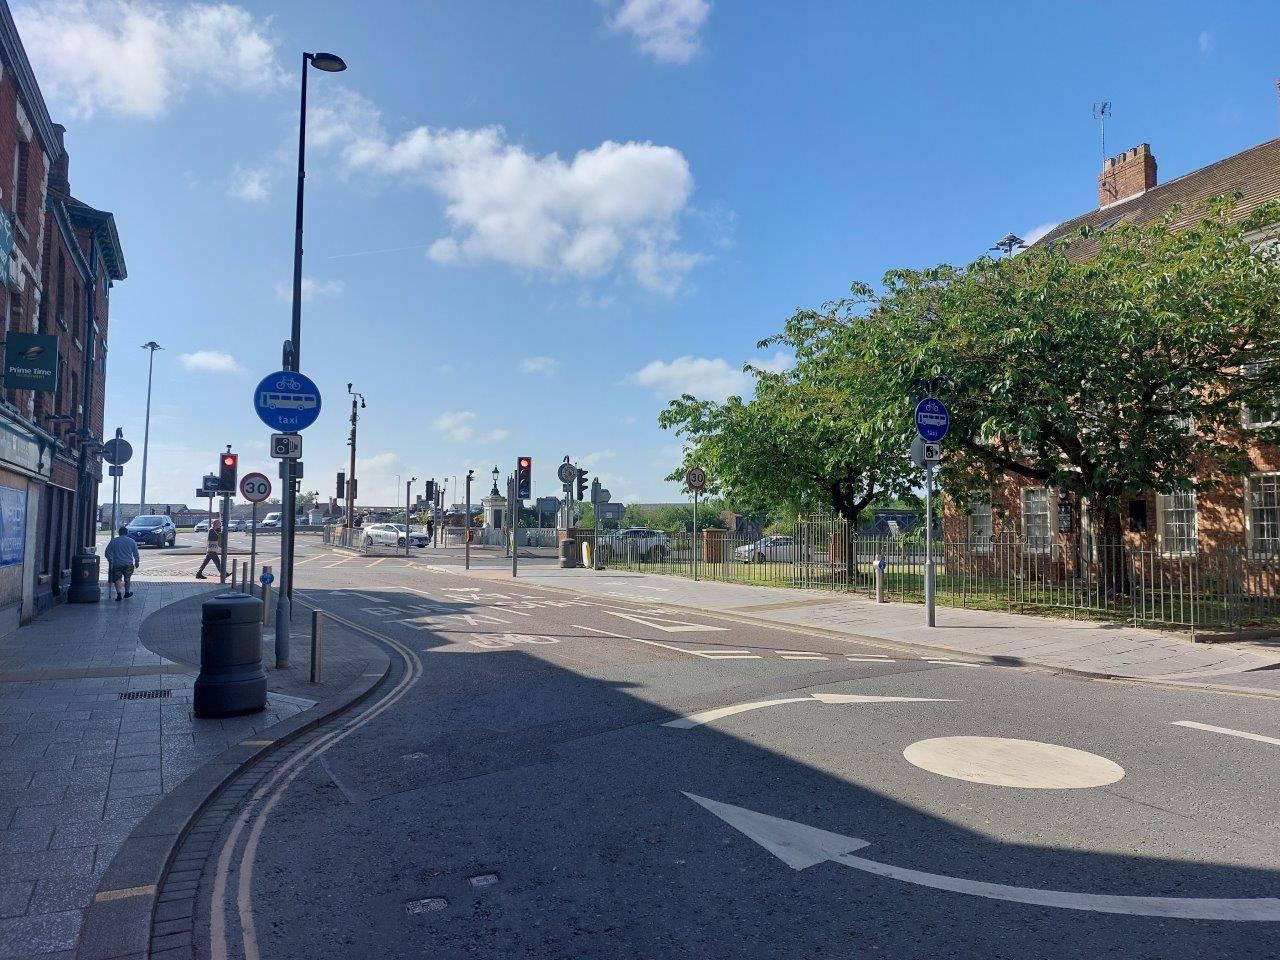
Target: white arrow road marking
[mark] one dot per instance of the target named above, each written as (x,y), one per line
(666,625)
(1227,730)
(707,716)
(799,845)
(579,626)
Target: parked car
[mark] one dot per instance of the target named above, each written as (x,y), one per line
(202,526)
(152,529)
(635,543)
(271,520)
(389,534)
(238,526)
(780,549)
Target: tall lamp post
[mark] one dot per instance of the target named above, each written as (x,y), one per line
(146,430)
(351,468)
(330,63)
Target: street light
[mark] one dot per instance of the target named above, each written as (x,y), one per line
(329,63)
(146,430)
(494,491)
(351,469)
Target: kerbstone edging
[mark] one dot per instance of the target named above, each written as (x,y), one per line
(117,922)
(907,646)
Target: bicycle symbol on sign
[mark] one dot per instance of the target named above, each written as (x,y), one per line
(288,383)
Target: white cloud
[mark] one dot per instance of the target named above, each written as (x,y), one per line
(544,365)
(493,436)
(379,463)
(704,377)
(248,183)
(311,289)
(137,57)
(1205,43)
(595,458)
(211,361)
(456,425)
(614,204)
(667,30)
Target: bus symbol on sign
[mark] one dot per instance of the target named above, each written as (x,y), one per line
(932,419)
(287,401)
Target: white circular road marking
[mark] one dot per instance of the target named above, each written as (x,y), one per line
(1013,763)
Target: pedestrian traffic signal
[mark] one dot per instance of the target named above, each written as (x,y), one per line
(342,485)
(524,477)
(227,466)
(430,492)
(581,484)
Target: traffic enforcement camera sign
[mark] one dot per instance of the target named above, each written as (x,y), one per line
(286,446)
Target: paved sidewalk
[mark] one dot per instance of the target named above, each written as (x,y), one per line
(95,730)
(1087,646)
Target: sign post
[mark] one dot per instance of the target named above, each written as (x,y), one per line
(286,401)
(933,419)
(695,479)
(254,487)
(116,452)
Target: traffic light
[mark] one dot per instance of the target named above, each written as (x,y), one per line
(581,484)
(227,466)
(342,485)
(430,493)
(524,477)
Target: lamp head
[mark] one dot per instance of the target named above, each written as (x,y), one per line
(328,62)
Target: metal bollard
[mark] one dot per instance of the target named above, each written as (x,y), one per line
(266,599)
(235,574)
(880,566)
(317,650)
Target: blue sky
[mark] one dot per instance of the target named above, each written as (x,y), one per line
(531,223)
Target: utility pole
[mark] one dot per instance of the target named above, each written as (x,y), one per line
(466,536)
(512,518)
(408,528)
(357,404)
(146,430)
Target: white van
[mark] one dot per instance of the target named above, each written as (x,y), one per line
(271,520)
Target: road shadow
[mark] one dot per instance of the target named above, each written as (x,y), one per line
(558,780)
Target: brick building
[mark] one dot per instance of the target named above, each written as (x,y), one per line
(1243,511)
(58,260)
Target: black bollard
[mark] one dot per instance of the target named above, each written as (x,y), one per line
(231,679)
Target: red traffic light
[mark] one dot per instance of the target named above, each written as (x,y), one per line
(524,463)
(229,459)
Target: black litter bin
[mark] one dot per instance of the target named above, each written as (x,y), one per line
(231,679)
(85,571)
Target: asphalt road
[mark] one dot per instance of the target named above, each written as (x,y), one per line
(548,776)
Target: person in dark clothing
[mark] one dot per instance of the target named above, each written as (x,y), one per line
(213,551)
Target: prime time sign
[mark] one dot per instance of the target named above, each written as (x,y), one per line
(31,362)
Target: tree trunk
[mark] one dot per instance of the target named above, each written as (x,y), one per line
(1112,559)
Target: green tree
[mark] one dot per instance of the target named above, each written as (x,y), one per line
(1107,374)
(807,437)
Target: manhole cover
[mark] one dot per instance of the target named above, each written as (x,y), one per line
(429,905)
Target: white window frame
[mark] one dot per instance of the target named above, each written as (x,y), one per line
(1034,544)
(981,544)
(1251,485)
(1246,415)
(1183,545)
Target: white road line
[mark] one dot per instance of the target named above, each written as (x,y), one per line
(669,626)
(724,655)
(870,660)
(707,716)
(579,626)
(1243,734)
(793,656)
(364,595)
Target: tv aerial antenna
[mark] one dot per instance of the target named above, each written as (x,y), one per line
(1102,110)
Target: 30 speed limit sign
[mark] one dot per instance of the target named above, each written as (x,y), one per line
(695,478)
(255,487)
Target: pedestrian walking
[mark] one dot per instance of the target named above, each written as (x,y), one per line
(122,559)
(213,551)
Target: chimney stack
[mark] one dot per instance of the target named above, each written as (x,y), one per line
(1127,175)
(59,171)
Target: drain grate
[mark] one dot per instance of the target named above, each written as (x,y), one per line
(145,694)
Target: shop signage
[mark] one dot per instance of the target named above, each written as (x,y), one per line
(31,362)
